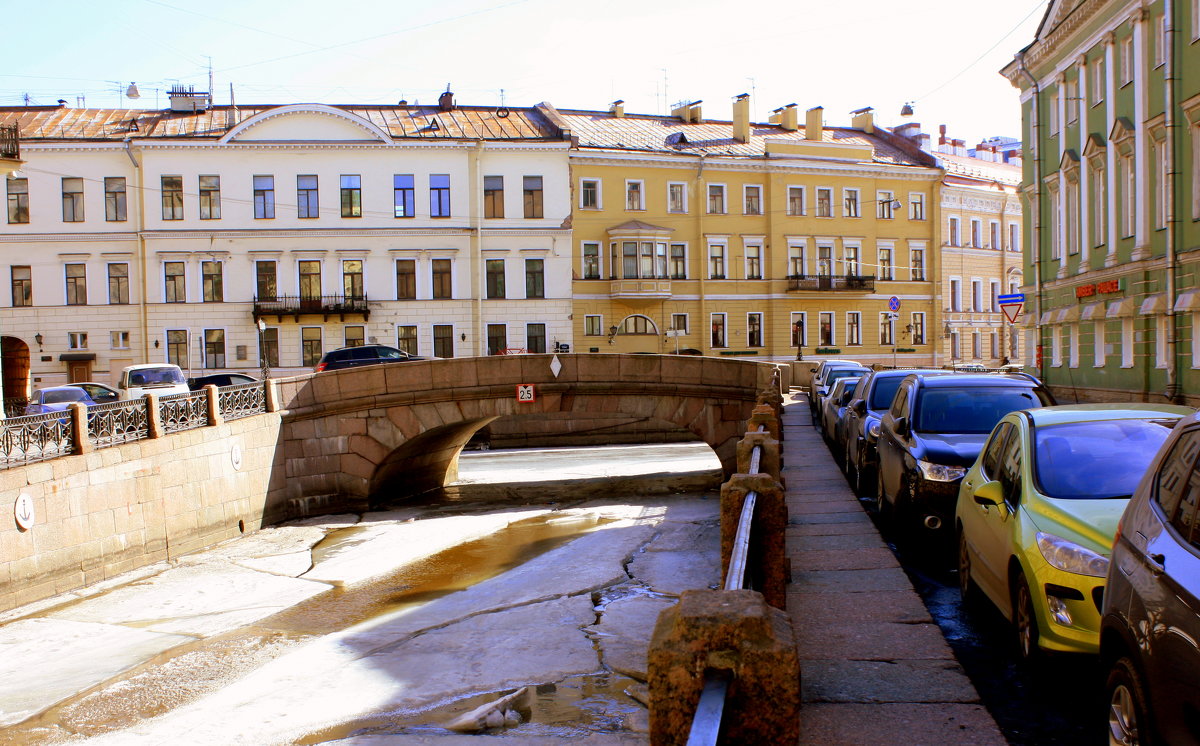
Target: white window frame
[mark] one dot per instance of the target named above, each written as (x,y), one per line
(887,272)
(687,322)
(77,340)
(976,295)
(1056,357)
(854,328)
(762,328)
(1097,69)
(802,317)
(817,205)
(1126,56)
(600,325)
(1160,341)
(641,194)
(1072,345)
(599,193)
(724,330)
(1127,342)
(748,246)
(887,329)
(915,316)
(976,240)
(883,204)
(976,345)
(955,294)
(913,253)
(724,202)
(852,259)
(683,188)
(954,231)
(746,191)
(116,338)
(1014,236)
(1160,40)
(847,193)
(994,236)
(803,197)
(993,299)
(797,255)
(723,247)
(1099,349)
(916,206)
(832,328)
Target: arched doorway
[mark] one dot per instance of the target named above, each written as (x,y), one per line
(14,359)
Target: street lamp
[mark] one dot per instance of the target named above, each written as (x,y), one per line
(798,331)
(262,349)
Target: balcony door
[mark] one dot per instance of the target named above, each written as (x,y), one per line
(310,285)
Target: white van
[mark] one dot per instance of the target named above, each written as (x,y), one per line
(158,378)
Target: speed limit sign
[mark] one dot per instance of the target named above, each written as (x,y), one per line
(525,393)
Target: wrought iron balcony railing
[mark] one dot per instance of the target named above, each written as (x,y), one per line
(296,305)
(860,283)
(10,143)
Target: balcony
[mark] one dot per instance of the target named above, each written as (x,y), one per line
(10,150)
(635,290)
(323,305)
(857,283)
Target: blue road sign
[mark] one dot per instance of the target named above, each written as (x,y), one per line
(1008,299)
(894,303)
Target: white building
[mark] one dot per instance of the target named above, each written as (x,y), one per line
(134,235)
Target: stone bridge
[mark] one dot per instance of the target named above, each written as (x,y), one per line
(398,429)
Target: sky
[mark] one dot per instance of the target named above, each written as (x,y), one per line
(944,56)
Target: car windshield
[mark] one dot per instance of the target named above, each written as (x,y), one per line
(839,373)
(1096,460)
(59,396)
(158,375)
(970,409)
(885,391)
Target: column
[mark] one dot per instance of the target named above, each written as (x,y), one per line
(1141,69)
(1110,152)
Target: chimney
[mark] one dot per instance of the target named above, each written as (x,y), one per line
(689,112)
(863,119)
(741,118)
(617,109)
(814,123)
(446,101)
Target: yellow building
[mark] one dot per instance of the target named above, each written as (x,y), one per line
(747,239)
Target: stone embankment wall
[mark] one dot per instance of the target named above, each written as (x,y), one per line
(109,511)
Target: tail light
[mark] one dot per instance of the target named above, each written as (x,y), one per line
(320,367)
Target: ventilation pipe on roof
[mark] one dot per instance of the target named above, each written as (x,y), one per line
(446,101)
(814,123)
(687,112)
(863,119)
(741,118)
(617,109)
(787,117)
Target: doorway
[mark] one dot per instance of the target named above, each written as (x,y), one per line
(14,359)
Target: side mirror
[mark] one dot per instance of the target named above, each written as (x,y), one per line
(989,494)
(860,407)
(901,426)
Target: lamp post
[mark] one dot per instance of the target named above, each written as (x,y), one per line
(798,330)
(262,349)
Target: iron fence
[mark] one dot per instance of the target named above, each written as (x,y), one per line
(118,422)
(242,400)
(36,437)
(183,411)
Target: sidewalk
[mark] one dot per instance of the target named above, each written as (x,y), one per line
(876,669)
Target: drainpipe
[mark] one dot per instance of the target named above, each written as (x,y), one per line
(701,203)
(143,315)
(476,250)
(1170,81)
(1035,217)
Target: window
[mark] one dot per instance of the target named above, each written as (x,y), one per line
(310,345)
(754,332)
(795,265)
(825,332)
(22,286)
(589,194)
(798,327)
(824,260)
(307,202)
(752,199)
(1056,359)
(77,340)
(676,197)
(850,203)
(976,345)
(629,263)
(1128,195)
(593,326)
(994,235)
(497,338)
(918,328)
(353,285)
(1071,92)
(716,199)
(850,256)
(887,329)
(591,260)
(355,336)
(535,337)
(1054,112)
(795,204)
(994,306)
(76,275)
(493,196)
(854,328)
(917,258)
(210,197)
(118,340)
(1127,343)
(177,348)
(916,206)
(213,274)
(214,348)
(172,198)
(678,261)
(531,187)
(440,270)
(976,296)
(1160,40)
(72,200)
(718,329)
(265,283)
(824,202)
(885,264)
(633,196)
(351,196)
(1097,68)
(406,338)
(18,200)
(976,233)
(1072,218)
(716,261)
(268,347)
(1014,237)
(403,195)
(118,284)
(679,322)
(1160,184)
(406,279)
(753,261)
(115,210)
(886,204)
(174,283)
(535,278)
(439,195)
(310,282)
(955,294)
(443,340)
(264,198)
(953,237)
(495,278)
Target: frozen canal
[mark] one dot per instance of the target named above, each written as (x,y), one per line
(542,568)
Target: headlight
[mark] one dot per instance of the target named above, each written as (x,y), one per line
(1070,557)
(941,472)
(873,429)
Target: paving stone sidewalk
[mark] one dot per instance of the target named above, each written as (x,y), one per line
(876,669)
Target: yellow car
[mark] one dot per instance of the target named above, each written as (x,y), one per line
(1038,510)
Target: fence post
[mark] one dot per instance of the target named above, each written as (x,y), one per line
(79,429)
(214,405)
(154,425)
(764,414)
(767,563)
(271,396)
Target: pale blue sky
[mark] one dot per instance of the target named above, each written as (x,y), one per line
(840,55)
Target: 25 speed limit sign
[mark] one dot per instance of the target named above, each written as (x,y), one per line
(526,393)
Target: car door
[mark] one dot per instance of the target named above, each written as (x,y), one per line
(890,447)
(987,527)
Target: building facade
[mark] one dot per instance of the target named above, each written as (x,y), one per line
(757,240)
(229,238)
(1110,92)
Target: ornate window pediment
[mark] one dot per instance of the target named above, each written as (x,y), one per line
(307,123)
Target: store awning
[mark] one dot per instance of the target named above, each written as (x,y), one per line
(1120,309)
(1152,305)
(1189,300)
(1092,311)
(1046,318)
(1067,315)
(75,357)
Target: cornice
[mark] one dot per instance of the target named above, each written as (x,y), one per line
(761,165)
(66,237)
(1078,17)
(312,233)
(212,144)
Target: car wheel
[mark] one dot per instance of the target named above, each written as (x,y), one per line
(967,590)
(1128,713)
(1025,620)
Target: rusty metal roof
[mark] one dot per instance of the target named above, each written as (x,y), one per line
(662,134)
(978,169)
(59,123)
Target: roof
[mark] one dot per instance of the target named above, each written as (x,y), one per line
(955,380)
(58,123)
(976,168)
(661,134)
(1096,412)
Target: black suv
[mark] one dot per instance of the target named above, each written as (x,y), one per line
(933,432)
(352,357)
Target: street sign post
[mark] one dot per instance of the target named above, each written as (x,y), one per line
(893,304)
(1012,311)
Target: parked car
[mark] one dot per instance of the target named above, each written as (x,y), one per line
(819,373)
(1150,624)
(100,393)
(158,378)
(219,379)
(1038,509)
(834,404)
(933,432)
(860,429)
(56,399)
(353,357)
(824,381)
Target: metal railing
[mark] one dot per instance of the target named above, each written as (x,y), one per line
(283,305)
(10,143)
(831,282)
(184,411)
(118,422)
(35,437)
(242,400)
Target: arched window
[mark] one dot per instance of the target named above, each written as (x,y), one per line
(638,325)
